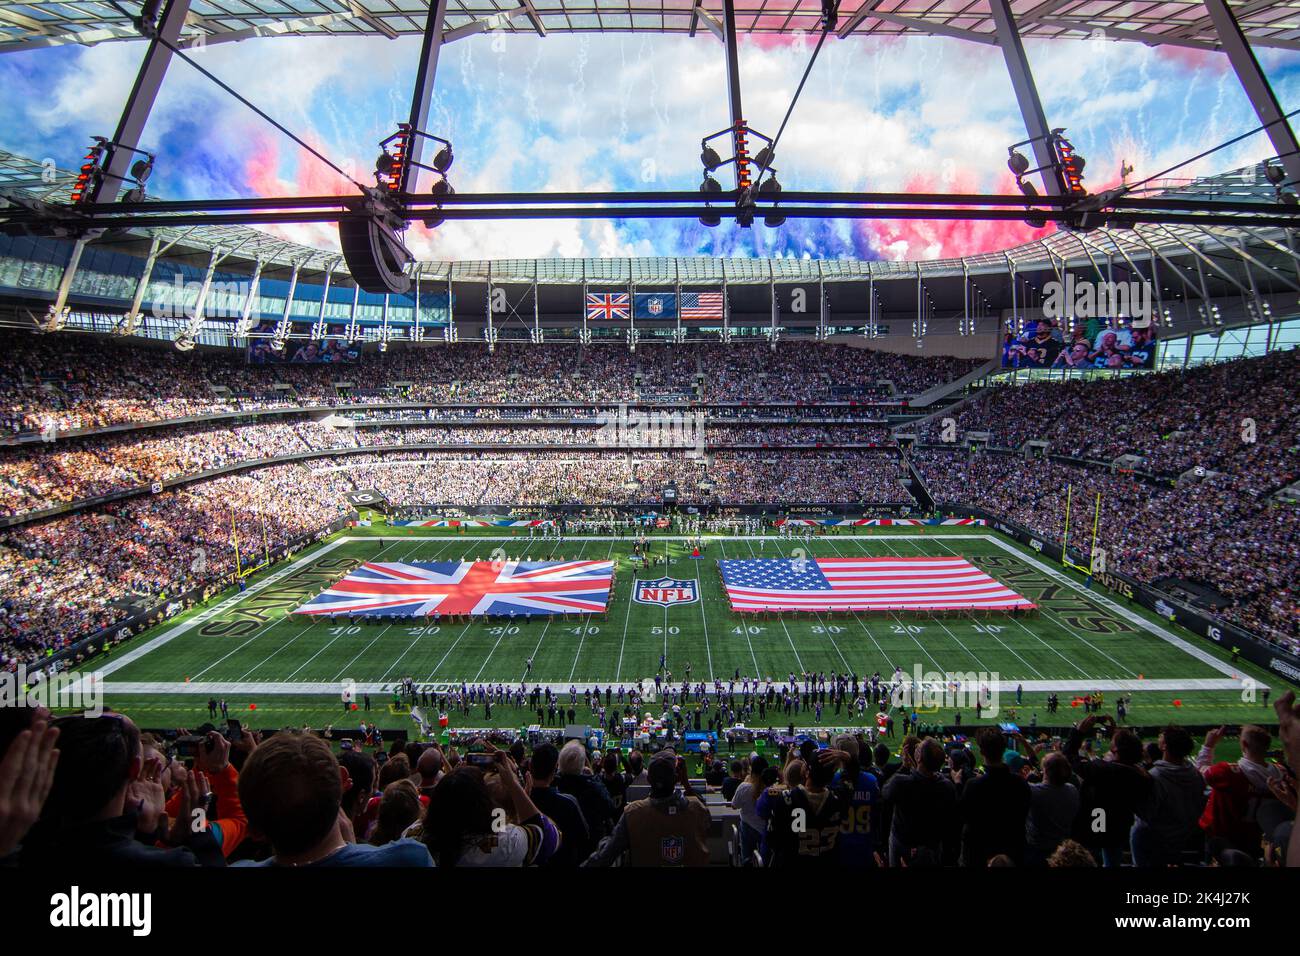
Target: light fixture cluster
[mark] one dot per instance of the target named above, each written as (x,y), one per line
(394,162)
(92,172)
(747,189)
(1065,167)
(1276,175)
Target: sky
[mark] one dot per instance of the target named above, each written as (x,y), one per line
(624,111)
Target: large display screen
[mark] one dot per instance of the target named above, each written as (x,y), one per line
(1098,344)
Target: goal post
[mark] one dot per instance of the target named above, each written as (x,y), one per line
(1065,540)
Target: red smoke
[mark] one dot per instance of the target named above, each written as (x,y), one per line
(945,238)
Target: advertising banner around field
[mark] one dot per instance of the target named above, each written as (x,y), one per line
(470,523)
(875,522)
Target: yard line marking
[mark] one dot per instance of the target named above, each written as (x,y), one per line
(1069,630)
(444,656)
(381,633)
(283,618)
(820,623)
(864,623)
(798,660)
(960,643)
(744,628)
(995,637)
(586,624)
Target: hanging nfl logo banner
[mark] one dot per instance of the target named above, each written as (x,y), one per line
(666,591)
(655,305)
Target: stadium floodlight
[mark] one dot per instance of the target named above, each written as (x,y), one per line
(443,159)
(1275,174)
(709,157)
(772,188)
(1031,192)
(1017,162)
(184,343)
(142,169)
(441,188)
(764,157)
(709,186)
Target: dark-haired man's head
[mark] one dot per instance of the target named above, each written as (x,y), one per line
(291,790)
(930,755)
(98,759)
(1175,744)
(635,763)
(882,754)
(1127,747)
(545,759)
(1056,769)
(662,774)
(991,746)
(820,773)
(360,783)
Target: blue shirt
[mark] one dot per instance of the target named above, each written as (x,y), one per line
(857,841)
(405,852)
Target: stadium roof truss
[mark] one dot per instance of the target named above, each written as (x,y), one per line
(1230,232)
(43,23)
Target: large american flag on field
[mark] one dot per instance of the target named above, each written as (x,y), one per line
(701,305)
(468,587)
(608,305)
(862,584)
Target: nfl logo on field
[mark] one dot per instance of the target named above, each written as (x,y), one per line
(672,849)
(666,591)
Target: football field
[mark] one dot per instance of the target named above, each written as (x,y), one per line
(248,648)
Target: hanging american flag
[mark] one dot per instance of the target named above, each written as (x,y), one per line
(701,305)
(468,587)
(608,305)
(863,584)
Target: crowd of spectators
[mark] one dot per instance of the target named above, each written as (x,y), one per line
(96,791)
(1240,417)
(33,478)
(558,478)
(1210,532)
(66,578)
(72,382)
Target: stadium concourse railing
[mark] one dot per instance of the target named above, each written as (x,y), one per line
(158,487)
(1253,647)
(36,437)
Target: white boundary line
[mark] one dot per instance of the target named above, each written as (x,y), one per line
(1232,682)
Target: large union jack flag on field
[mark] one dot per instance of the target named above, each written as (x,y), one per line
(862,584)
(468,587)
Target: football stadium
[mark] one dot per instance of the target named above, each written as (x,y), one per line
(416,450)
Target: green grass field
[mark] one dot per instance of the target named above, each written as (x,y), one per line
(247,648)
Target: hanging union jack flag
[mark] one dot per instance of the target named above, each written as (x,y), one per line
(468,587)
(608,305)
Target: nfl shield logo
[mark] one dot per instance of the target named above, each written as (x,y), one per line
(655,306)
(666,591)
(672,849)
